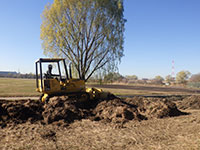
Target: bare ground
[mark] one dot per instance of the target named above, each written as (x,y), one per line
(146,88)
(141,89)
(151,123)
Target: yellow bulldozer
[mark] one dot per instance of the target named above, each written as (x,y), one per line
(62,83)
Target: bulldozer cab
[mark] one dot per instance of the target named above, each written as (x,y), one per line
(42,76)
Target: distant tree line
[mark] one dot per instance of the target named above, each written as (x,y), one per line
(194,81)
(182,78)
(18,75)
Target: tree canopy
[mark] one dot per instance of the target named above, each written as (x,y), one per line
(113,76)
(158,80)
(169,79)
(88,33)
(182,77)
(132,77)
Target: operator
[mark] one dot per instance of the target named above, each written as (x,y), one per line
(49,72)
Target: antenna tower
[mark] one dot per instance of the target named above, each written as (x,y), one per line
(173,70)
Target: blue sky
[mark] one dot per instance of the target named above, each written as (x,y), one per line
(157,32)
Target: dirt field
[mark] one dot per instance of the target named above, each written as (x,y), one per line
(133,90)
(131,123)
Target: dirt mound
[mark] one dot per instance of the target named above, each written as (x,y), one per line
(191,102)
(68,110)
(20,111)
(116,111)
(62,110)
(155,107)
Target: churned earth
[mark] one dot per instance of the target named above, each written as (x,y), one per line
(129,123)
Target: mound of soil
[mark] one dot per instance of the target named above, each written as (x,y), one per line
(62,110)
(191,102)
(20,111)
(116,111)
(155,107)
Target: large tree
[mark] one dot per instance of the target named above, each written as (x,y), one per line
(169,79)
(113,76)
(89,33)
(182,77)
(158,80)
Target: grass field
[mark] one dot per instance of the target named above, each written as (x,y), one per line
(17,87)
(10,87)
